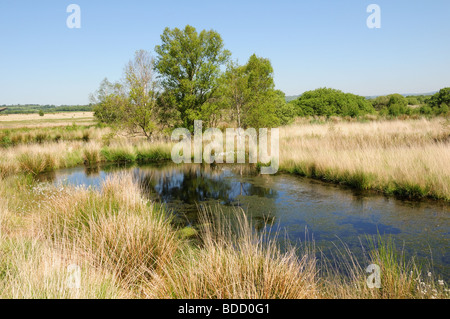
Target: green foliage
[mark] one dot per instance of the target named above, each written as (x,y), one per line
(189,66)
(440,101)
(412,100)
(330,102)
(380,103)
(397,105)
(249,93)
(132,103)
(36,108)
(41,113)
(108,99)
(426,109)
(285,111)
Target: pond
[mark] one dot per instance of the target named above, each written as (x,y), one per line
(328,215)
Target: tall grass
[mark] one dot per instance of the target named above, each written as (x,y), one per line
(118,229)
(404,158)
(236,264)
(36,163)
(400,278)
(127,248)
(19,136)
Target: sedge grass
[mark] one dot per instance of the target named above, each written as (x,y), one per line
(126,248)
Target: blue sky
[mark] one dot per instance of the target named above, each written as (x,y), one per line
(311,44)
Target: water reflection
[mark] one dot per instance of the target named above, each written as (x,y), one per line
(330,213)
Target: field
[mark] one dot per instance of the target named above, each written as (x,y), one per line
(12,121)
(126,247)
(406,158)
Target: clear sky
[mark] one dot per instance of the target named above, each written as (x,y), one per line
(311,44)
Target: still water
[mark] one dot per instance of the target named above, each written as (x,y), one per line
(328,215)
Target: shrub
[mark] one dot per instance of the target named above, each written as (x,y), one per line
(329,102)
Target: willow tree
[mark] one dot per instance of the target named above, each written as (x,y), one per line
(189,64)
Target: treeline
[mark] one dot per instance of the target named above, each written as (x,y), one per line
(396,104)
(36,108)
(332,102)
(193,77)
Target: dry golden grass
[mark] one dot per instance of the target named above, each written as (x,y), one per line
(407,158)
(126,248)
(236,263)
(12,121)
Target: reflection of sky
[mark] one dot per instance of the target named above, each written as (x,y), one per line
(80,178)
(330,214)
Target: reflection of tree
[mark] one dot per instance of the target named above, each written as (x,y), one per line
(189,185)
(193,185)
(47,177)
(92,170)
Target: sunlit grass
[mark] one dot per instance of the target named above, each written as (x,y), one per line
(404,158)
(127,248)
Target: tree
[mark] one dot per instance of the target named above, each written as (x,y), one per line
(284,111)
(234,90)
(412,100)
(248,92)
(260,111)
(329,102)
(189,64)
(130,103)
(138,113)
(108,101)
(397,104)
(439,102)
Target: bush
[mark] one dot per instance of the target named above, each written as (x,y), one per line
(443,109)
(331,102)
(286,113)
(440,101)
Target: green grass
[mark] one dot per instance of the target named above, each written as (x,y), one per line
(152,154)
(36,163)
(118,154)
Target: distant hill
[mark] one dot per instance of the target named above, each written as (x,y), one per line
(409,94)
(292,97)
